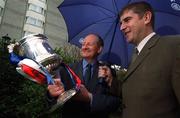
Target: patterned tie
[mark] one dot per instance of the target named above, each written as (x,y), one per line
(88,73)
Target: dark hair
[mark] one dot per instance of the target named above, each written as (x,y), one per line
(100,41)
(139,8)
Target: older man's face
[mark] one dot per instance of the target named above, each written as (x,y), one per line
(90,48)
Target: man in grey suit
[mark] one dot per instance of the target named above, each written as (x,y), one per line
(151,86)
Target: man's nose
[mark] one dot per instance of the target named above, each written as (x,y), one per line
(122,27)
(84,46)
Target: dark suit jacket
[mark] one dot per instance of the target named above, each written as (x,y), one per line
(151,87)
(103,102)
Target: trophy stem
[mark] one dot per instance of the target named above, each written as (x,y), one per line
(65,96)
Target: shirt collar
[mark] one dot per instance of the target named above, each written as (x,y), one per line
(85,63)
(144,41)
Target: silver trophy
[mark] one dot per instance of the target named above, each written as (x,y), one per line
(40,63)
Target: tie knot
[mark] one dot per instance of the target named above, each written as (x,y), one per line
(136,51)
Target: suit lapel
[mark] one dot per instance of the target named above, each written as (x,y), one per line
(80,71)
(143,54)
(78,68)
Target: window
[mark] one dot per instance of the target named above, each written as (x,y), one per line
(34,21)
(43,1)
(36,8)
(1,11)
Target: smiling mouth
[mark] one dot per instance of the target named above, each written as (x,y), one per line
(126,33)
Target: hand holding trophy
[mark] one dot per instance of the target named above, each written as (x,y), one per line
(37,61)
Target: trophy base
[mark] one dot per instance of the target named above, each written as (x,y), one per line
(63,98)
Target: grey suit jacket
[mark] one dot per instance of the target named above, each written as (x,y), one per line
(151,87)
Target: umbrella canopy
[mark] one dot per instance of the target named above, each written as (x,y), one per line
(167,16)
(101,17)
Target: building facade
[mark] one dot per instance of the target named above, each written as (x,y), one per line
(19,18)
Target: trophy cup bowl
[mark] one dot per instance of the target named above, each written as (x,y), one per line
(35,47)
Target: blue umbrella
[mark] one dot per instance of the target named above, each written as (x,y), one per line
(100,17)
(167,16)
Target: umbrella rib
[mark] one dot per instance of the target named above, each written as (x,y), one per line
(67,5)
(161,11)
(91,25)
(104,12)
(167,12)
(112,38)
(115,5)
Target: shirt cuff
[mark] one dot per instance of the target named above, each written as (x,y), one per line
(91,98)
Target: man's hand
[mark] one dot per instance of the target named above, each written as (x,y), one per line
(105,72)
(12,46)
(83,94)
(56,89)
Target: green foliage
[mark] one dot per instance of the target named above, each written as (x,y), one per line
(20,97)
(68,53)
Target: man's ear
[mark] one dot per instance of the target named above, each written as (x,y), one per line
(100,50)
(147,17)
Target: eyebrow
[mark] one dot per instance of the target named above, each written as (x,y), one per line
(126,19)
(88,43)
